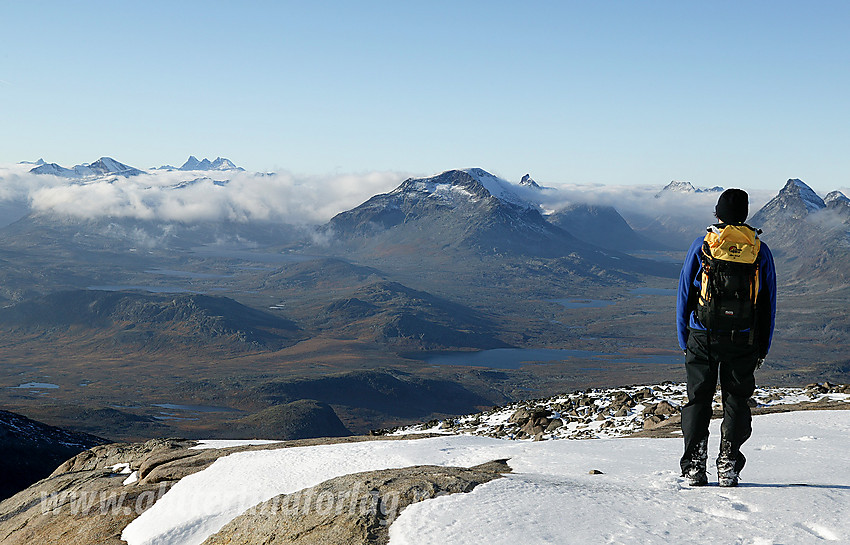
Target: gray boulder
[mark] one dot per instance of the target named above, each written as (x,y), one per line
(356,508)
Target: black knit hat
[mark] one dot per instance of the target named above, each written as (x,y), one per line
(733,206)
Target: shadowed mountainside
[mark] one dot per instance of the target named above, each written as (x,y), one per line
(30,450)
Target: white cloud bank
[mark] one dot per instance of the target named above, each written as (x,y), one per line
(189,197)
(194,196)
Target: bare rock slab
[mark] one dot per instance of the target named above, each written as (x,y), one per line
(351,509)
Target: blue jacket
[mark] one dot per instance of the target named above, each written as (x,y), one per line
(689,286)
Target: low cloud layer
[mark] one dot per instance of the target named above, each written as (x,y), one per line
(634,202)
(195,197)
(287,198)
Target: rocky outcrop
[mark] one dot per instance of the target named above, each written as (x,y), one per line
(356,508)
(86,501)
(584,414)
(94,495)
(651,410)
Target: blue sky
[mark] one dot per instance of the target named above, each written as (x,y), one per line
(719,93)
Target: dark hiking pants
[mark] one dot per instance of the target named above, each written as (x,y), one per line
(734,360)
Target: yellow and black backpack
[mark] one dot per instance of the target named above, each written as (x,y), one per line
(729,278)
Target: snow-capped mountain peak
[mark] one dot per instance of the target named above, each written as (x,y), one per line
(108,165)
(797,188)
(463,185)
(795,201)
(221,163)
(53,169)
(677,186)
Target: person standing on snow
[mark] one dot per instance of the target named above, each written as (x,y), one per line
(725,312)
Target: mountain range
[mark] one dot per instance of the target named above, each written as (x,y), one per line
(686,187)
(470,212)
(250,315)
(107,166)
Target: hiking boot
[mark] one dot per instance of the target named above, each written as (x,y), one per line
(727,476)
(696,477)
(729,465)
(694,470)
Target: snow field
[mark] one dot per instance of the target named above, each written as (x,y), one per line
(640,499)
(551,497)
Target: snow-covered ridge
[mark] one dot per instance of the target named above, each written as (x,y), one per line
(102,167)
(598,413)
(466,185)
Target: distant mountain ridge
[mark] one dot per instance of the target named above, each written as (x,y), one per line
(686,187)
(102,167)
(192,164)
(220,163)
(603,226)
(156,321)
(106,166)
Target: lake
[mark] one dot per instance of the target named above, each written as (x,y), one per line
(196,408)
(582,303)
(515,358)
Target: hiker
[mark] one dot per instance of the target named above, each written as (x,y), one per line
(725,315)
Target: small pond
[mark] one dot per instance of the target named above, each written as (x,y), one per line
(36,385)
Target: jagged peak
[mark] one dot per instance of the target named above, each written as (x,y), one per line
(528,181)
(220,163)
(677,185)
(798,188)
